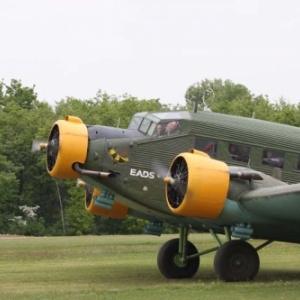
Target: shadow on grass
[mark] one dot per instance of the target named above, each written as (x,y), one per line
(263,276)
(151,276)
(271,275)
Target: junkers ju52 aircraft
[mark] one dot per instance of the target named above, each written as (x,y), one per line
(202,171)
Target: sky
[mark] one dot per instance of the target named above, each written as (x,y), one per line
(150,49)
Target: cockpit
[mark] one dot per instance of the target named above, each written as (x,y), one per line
(157,124)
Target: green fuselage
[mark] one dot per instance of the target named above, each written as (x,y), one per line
(140,160)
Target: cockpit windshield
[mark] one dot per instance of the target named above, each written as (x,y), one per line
(157,124)
(136,121)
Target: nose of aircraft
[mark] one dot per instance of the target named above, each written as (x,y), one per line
(67,144)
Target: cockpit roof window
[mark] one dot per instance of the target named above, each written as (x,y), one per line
(145,117)
(167,115)
(140,114)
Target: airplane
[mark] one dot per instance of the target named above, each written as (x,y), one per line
(231,176)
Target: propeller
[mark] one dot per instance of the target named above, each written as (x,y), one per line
(52,147)
(177,180)
(160,169)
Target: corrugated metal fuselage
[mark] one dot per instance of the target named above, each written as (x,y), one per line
(139,185)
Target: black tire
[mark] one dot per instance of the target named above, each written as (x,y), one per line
(236,261)
(166,260)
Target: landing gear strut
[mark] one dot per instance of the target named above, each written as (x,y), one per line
(178,258)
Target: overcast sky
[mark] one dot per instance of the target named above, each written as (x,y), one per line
(150,48)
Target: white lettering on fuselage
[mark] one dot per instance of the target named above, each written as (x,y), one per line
(141,173)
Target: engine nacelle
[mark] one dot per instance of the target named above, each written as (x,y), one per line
(197,186)
(117,211)
(67,144)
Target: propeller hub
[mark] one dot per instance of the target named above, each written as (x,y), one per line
(43,146)
(169,180)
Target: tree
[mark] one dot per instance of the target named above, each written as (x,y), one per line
(9,191)
(22,119)
(224,95)
(23,97)
(78,220)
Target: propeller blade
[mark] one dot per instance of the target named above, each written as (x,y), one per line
(160,170)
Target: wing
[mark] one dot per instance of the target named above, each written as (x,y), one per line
(277,202)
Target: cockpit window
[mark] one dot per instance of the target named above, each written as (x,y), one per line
(167,128)
(159,130)
(156,124)
(152,128)
(144,125)
(167,115)
(135,122)
(172,128)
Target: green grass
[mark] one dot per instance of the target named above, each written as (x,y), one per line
(124,267)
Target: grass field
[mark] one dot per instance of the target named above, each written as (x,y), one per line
(124,267)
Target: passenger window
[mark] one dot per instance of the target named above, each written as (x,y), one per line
(273,158)
(239,152)
(298,166)
(206,145)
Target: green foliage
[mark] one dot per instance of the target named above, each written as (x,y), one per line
(78,221)
(30,228)
(23,97)
(132,225)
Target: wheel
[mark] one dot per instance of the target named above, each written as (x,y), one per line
(236,261)
(169,263)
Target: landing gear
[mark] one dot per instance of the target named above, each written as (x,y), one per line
(236,261)
(174,259)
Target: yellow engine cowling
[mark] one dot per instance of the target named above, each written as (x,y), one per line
(67,144)
(197,186)
(118,210)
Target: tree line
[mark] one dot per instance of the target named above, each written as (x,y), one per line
(32,203)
